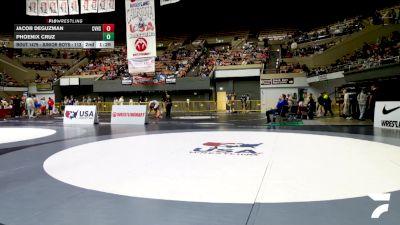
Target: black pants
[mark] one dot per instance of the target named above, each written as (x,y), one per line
(328,109)
(168,110)
(269,112)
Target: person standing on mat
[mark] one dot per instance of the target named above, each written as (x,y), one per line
(168,105)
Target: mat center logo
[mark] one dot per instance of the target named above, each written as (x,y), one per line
(217,148)
(141,44)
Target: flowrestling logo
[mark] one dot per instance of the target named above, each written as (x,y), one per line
(81,115)
(218,148)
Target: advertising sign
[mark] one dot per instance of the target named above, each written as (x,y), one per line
(387,115)
(129,114)
(76,114)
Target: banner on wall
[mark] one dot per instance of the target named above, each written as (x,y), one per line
(166,2)
(88,6)
(73,7)
(387,115)
(62,7)
(43,7)
(141,65)
(106,6)
(141,35)
(53,8)
(32,7)
(68,7)
(277,81)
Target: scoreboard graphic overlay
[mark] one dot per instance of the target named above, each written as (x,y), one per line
(64,36)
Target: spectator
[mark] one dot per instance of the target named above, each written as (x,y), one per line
(50,104)
(327,104)
(121,100)
(30,106)
(279,106)
(362,103)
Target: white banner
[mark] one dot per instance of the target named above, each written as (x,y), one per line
(387,115)
(62,7)
(106,6)
(88,6)
(141,65)
(140,29)
(129,114)
(43,7)
(93,6)
(73,7)
(53,8)
(110,5)
(166,2)
(75,114)
(31,7)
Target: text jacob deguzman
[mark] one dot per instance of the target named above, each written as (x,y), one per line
(39,28)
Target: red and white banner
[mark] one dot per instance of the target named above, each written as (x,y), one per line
(106,6)
(31,7)
(53,8)
(88,6)
(140,32)
(62,7)
(142,65)
(43,9)
(73,7)
(166,2)
(129,114)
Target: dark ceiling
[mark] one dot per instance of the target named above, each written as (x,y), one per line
(196,16)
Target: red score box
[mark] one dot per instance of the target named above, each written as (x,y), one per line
(108,27)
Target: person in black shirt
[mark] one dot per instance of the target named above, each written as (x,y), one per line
(168,105)
(17,106)
(320,101)
(311,107)
(327,105)
(376,95)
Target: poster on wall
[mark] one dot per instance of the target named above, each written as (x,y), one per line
(43,7)
(166,2)
(62,7)
(53,8)
(32,7)
(88,6)
(277,81)
(73,7)
(106,6)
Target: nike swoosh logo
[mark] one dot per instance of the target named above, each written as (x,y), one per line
(385,111)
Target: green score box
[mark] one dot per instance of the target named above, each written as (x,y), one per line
(108,36)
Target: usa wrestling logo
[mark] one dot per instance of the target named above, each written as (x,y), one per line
(71,114)
(217,148)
